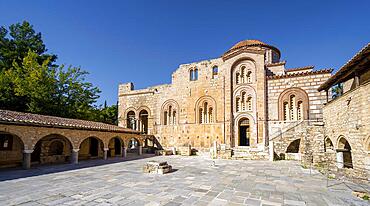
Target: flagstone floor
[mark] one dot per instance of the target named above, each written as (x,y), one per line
(195,181)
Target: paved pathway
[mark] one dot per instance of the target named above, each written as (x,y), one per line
(196,182)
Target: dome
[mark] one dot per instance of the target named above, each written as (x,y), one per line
(252,43)
(247,43)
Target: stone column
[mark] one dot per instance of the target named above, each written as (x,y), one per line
(140,150)
(74,158)
(174,150)
(27,159)
(271,151)
(124,152)
(340,160)
(106,153)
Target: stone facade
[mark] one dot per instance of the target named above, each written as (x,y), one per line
(231,100)
(30,141)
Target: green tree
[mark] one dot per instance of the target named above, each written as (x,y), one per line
(17,41)
(39,88)
(337,90)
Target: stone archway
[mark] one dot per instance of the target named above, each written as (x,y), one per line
(344,154)
(11,150)
(91,148)
(134,146)
(53,148)
(115,146)
(244,132)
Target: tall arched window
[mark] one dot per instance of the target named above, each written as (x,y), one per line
(210,113)
(249,103)
(165,118)
(243,101)
(249,77)
(237,78)
(131,120)
(191,75)
(242,74)
(237,104)
(201,115)
(293,105)
(196,74)
(214,72)
(174,117)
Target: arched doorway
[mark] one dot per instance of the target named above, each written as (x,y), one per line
(11,150)
(91,148)
(328,145)
(53,148)
(131,120)
(133,146)
(244,132)
(144,121)
(115,147)
(344,156)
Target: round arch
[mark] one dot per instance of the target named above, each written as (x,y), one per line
(344,153)
(115,146)
(211,102)
(12,147)
(165,107)
(52,148)
(91,147)
(300,95)
(328,144)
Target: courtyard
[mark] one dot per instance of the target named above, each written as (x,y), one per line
(196,180)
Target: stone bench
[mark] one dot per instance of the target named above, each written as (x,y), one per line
(155,167)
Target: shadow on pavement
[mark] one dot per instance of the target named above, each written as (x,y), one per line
(16,173)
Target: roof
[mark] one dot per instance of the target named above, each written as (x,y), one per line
(348,70)
(250,43)
(299,68)
(322,71)
(21,118)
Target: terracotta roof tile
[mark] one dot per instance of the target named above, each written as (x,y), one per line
(12,117)
(299,68)
(322,71)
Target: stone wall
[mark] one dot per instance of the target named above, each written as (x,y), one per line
(348,117)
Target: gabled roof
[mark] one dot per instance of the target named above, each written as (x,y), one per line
(21,118)
(348,70)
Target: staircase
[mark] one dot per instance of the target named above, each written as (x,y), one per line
(249,153)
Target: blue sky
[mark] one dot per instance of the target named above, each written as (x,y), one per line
(145,41)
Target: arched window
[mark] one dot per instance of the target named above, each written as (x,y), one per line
(328,145)
(249,77)
(243,101)
(174,117)
(165,118)
(200,115)
(293,105)
(242,74)
(210,113)
(144,115)
(286,111)
(249,103)
(169,112)
(237,104)
(131,120)
(196,74)
(191,75)
(214,72)
(205,108)
(237,78)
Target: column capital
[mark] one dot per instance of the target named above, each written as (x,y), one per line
(28,151)
(75,150)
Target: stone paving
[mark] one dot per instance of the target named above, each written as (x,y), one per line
(196,181)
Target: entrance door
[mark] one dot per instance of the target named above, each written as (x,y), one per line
(94,147)
(244,132)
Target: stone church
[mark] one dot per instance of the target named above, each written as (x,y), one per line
(239,100)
